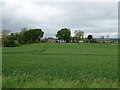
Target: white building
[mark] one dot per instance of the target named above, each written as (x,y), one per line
(81,41)
(61,41)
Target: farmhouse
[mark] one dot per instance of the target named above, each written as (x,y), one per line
(51,40)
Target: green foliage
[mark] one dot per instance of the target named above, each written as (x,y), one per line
(24,29)
(45,40)
(24,37)
(5,33)
(73,39)
(90,37)
(79,34)
(30,36)
(9,41)
(35,34)
(60,65)
(64,34)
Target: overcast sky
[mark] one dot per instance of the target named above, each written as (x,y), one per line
(96,18)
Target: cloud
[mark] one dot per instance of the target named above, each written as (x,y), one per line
(91,17)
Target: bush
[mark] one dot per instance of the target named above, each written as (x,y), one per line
(8,42)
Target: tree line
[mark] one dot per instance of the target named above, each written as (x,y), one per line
(27,36)
(65,34)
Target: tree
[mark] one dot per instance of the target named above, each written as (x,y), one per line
(73,39)
(102,37)
(35,34)
(30,36)
(90,37)
(9,41)
(24,29)
(17,36)
(79,34)
(5,33)
(64,34)
(107,37)
(24,37)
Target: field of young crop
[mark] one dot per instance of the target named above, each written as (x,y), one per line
(60,65)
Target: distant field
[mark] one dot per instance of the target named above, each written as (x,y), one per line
(60,65)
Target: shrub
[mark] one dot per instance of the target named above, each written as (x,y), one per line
(9,42)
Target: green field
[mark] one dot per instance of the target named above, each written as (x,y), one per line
(60,65)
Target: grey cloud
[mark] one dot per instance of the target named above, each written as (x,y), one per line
(93,17)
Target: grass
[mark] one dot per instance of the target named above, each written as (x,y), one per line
(60,65)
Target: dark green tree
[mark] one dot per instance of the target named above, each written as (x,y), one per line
(9,41)
(24,37)
(90,37)
(64,34)
(30,36)
(35,35)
